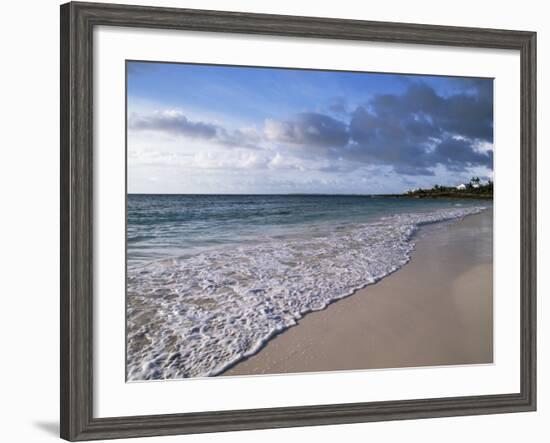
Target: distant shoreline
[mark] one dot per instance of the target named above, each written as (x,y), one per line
(457,195)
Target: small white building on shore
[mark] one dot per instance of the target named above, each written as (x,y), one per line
(461,187)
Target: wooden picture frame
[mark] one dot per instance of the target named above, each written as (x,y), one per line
(77,23)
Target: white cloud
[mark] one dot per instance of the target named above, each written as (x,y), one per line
(310,152)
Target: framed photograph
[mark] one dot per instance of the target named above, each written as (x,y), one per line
(272,221)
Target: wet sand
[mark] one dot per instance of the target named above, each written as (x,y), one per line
(436,310)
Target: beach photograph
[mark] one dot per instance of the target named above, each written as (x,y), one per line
(283,220)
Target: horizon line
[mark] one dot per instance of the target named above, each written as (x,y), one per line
(344,194)
(263,194)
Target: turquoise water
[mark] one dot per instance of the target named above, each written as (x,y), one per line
(162,226)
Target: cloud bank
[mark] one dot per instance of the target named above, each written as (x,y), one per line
(416,133)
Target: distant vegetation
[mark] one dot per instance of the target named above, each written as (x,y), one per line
(475,188)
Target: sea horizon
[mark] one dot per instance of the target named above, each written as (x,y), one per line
(262,194)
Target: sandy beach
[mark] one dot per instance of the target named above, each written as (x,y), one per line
(436,310)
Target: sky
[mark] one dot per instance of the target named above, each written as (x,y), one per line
(207,129)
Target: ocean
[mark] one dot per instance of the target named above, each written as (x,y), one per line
(211,278)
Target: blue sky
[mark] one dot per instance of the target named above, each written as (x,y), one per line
(219,129)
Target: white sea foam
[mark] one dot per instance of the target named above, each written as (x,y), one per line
(198,315)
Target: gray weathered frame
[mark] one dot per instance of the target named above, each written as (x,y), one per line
(77,23)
